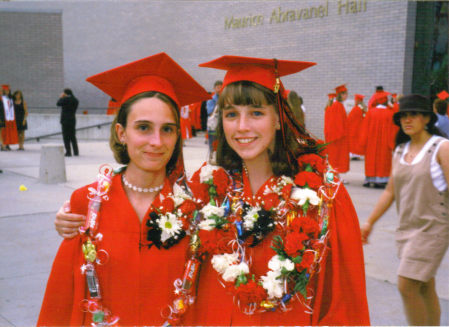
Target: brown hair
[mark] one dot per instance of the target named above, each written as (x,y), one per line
(295,101)
(249,93)
(120,151)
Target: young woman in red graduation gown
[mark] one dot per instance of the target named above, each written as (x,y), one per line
(121,268)
(284,248)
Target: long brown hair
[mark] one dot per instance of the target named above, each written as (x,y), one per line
(119,149)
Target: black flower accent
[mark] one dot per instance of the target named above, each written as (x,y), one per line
(154,233)
(262,227)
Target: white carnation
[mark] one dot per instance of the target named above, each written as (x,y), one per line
(209,210)
(303,194)
(276,264)
(232,272)
(179,195)
(273,285)
(221,262)
(206,172)
(207,224)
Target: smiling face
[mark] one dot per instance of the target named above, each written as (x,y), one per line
(413,123)
(150,134)
(250,130)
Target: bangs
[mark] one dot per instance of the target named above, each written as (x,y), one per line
(244,94)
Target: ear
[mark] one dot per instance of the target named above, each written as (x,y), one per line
(120,131)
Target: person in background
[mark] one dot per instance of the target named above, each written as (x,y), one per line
(9,129)
(295,103)
(419,186)
(377,141)
(394,102)
(330,100)
(336,132)
(379,89)
(440,109)
(443,95)
(355,121)
(186,123)
(68,104)
(212,119)
(21,112)
(113,107)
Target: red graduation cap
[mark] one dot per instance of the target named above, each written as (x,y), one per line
(380,97)
(331,95)
(5,87)
(158,73)
(258,70)
(341,88)
(358,97)
(443,95)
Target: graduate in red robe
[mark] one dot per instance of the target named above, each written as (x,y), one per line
(379,89)
(260,188)
(9,129)
(377,140)
(186,124)
(132,247)
(113,107)
(355,120)
(443,95)
(336,132)
(195,114)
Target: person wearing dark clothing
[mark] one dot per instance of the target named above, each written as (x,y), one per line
(68,104)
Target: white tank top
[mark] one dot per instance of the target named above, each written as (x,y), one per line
(436,171)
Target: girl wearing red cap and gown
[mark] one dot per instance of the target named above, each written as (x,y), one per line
(336,132)
(278,228)
(355,120)
(9,129)
(121,267)
(377,141)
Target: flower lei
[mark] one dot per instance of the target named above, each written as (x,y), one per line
(297,209)
(168,223)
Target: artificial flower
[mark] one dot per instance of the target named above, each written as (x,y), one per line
(233,271)
(249,293)
(250,218)
(210,210)
(207,224)
(310,179)
(206,173)
(293,243)
(308,259)
(276,263)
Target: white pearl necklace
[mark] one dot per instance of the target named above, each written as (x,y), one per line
(141,189)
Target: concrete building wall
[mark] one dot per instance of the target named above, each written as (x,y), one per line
(362,43)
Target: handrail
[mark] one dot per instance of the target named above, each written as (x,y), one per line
(37,138)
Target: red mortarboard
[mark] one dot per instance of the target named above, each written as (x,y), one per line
(358,97)
(155,73)
(380,97)
(5,86)
(331,95)
(443,95)
(341,88)
(394,95)
(257,70)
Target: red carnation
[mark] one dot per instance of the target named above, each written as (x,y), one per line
(286,190)
(251,292)
(293,243)
(311,179)
(214,241)
(309,226)
(315,161)
(271,201)
(187,207)
(308,259)
(200,191)
(221,182)
(168,205)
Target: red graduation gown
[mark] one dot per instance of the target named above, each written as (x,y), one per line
(340,292)
(335,133)
(377,140)
(136,282)
(355,120)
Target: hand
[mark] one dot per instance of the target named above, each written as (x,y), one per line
(66,223)
(366,229)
